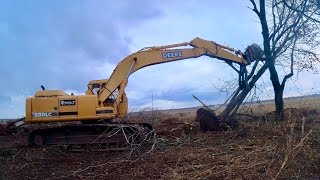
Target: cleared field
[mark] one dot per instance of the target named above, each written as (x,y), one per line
(259,108)
(258,149)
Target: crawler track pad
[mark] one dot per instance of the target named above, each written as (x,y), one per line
(104,135)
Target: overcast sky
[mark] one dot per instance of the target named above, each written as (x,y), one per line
(64,44)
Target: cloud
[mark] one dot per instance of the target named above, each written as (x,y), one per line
(193,76)
(161,104)
(178,79)
(63,45)
(12,106)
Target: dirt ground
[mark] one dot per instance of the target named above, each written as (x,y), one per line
(260,148)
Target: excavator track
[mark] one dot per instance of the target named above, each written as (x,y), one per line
(106,137)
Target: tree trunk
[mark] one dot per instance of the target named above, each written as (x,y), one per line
(278,91)
(270,60)
(233,104)
(278,100)
(239,97)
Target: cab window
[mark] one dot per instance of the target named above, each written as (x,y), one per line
(95,88)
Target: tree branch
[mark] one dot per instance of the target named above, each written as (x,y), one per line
(253,69)
(255,7)
(286,77)
(300,12)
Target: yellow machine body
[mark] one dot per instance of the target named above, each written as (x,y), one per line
(56,105)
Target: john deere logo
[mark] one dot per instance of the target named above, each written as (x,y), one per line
(67,102)
(171,54)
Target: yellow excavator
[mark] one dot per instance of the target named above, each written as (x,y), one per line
(106,99)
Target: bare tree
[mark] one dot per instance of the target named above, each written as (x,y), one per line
(290,31)
(240,94)
(289,34)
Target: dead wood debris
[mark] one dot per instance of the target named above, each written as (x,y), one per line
(256,150)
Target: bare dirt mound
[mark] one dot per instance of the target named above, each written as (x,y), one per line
(174,127)
(2,129)
(209,121)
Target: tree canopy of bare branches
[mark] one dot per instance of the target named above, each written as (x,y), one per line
(290,32)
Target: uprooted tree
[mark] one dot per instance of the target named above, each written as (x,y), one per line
(290,32)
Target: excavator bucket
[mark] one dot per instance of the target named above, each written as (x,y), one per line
(253,53)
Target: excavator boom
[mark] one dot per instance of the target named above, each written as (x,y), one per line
(163,54)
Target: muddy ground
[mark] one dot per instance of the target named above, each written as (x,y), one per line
(259,149)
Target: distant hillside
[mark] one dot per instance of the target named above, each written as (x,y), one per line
(294,101)
(5,120)
(308,100)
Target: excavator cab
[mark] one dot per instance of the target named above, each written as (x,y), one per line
(95,86)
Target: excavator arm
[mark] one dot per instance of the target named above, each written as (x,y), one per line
(163,54)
